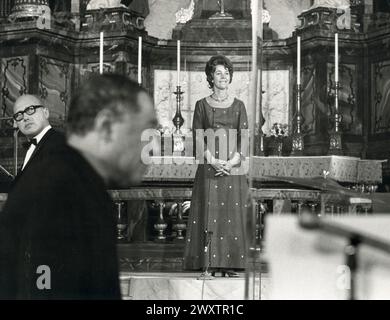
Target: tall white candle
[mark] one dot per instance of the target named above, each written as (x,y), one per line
(140,60)
(336,55)
(178,62)
(101,51)
(299,61)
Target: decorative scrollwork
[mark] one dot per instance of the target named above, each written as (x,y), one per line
(14,63)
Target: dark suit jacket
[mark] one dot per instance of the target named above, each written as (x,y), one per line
(59,215)
(50,142)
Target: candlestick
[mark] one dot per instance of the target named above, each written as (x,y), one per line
(336,102)
(178,137)
(101,48)
(298,145)
(336,139)
(178,63)
(336,36)
(139,60)
(299,90)
(299,62)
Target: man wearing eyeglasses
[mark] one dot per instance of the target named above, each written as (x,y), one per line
(32,119)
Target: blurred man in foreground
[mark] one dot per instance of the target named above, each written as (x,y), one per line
(58,234)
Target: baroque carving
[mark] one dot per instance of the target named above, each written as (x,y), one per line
(185,14)
(330,4)
(120,19)
(14,82)
(381,96)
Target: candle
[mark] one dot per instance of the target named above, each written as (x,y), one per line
(178,63)
(336,77)
(101,52)
(336,56)
(139,60)
(256,80)
(299,61)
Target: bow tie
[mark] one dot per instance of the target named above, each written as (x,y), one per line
(28,143)
(34,142)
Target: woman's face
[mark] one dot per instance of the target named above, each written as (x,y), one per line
(221,77)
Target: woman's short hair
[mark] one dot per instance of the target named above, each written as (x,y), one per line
(212,64)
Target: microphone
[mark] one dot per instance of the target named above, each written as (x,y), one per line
(310,221)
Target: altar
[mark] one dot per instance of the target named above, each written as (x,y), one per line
(168,184)
(339,168)
(349,185)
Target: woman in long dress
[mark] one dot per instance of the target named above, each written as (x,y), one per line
(216,236)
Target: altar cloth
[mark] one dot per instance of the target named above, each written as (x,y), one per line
(342,169)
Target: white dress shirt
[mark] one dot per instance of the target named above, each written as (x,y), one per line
(32,148)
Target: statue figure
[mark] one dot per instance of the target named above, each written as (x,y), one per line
(330,4)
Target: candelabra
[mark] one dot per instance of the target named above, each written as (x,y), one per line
(178,137)
(298,145)
(335,140)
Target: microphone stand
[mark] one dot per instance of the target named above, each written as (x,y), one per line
(6,172)
(351,257)
(207,250)
(312,222)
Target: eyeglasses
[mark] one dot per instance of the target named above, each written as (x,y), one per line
(19,116)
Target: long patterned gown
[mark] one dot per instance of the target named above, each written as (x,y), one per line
(219,204)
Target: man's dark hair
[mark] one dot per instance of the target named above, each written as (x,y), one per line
(212,64)
(113,92)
